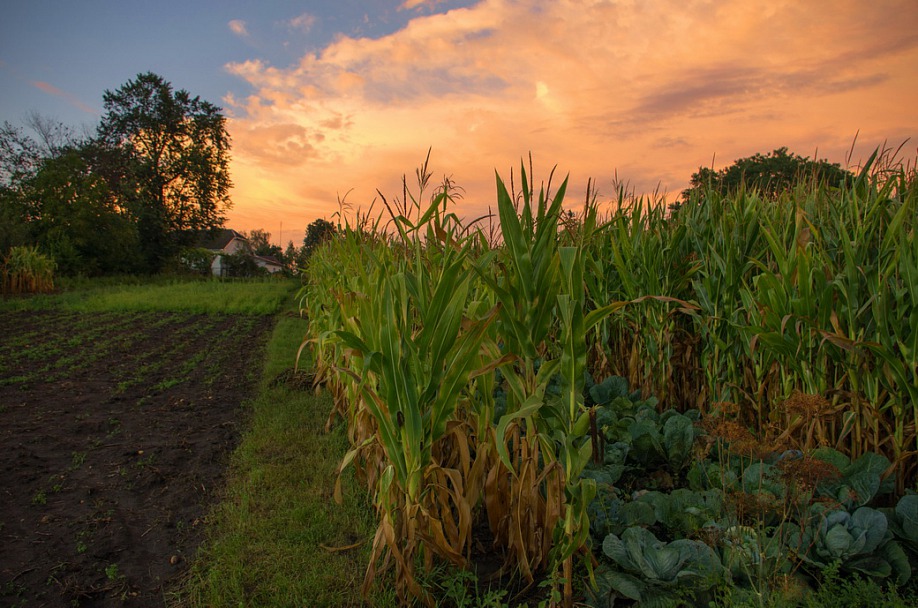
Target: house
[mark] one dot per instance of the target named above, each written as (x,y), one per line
(227,242)
(223,242)
(271,264)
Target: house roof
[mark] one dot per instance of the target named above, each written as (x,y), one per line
(268,259)
(218,240)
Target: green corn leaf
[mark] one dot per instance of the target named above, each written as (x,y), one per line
(528,408)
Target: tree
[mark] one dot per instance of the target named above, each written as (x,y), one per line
(290,254)
(170,162)
(50,197)
(317,233)
(241,264)
(770,174)
(19,157)
(260,241)
(54,137)
(19,160)
(76,219)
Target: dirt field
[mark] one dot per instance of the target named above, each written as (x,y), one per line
(115,433)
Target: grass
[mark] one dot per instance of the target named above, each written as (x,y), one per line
(257,297)
(835,591)
(278,538)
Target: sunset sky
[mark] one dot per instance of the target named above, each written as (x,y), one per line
(329,98)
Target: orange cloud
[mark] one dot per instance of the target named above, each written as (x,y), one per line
(648,90)
(238,27)
(72,99)
(414,4)
(302,22)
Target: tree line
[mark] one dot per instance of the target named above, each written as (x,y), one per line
(126,198)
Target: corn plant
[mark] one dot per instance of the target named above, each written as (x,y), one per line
(420,367)
(894,342)
(648,257)
(337,268)
(569,422)
(525,486)
(535,498)
(794,301)
(411,343)
(726,240)
(821,317)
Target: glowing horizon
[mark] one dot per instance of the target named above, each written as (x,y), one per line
(579,85)
(324,99)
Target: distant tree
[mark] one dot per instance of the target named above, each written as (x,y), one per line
(317,233)
(770,174)
(260,241)
(14,232)
(196,260)
(19,160)
(290,254)
(168,155)
(154,176)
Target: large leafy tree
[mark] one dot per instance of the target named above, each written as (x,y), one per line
(77,220)
(317,233)
(51,196)
(169,162)
(769,174)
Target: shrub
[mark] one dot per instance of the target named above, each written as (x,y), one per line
(196,260)
(242,264)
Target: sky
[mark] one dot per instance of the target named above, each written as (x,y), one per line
(331,101)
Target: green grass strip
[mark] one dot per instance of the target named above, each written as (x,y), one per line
(253,296)
(268,540)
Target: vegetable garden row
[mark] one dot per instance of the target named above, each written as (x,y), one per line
(717,401)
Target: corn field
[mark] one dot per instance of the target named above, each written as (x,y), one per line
(456,353)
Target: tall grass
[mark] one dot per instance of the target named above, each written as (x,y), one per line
(26,270)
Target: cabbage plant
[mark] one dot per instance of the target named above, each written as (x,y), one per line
(655,573)
(903,522)
(859,481)
(858,542)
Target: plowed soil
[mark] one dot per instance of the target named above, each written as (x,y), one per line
(115,435)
